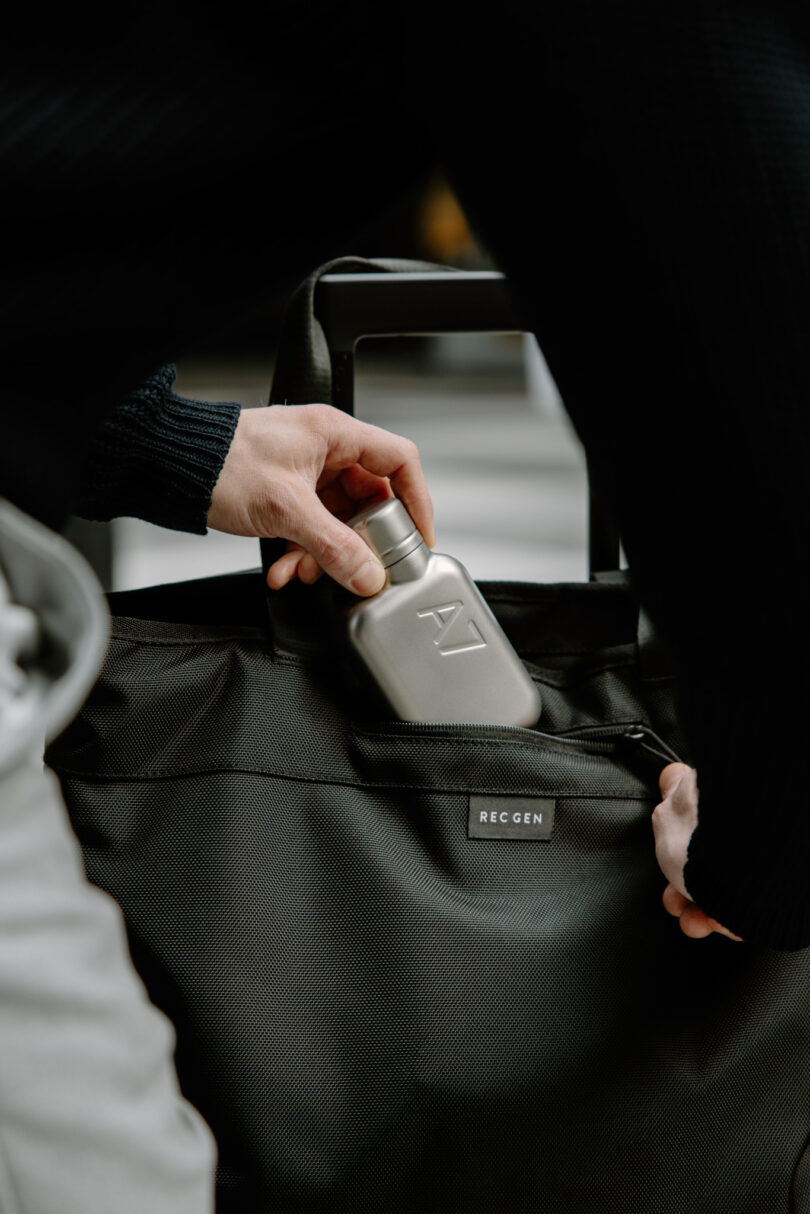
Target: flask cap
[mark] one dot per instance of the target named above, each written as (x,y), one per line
(388,530)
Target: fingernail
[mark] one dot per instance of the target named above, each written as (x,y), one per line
(368,579)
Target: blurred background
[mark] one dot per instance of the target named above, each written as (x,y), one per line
(505,470)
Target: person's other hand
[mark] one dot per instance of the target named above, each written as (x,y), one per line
(673,821)
(294,471)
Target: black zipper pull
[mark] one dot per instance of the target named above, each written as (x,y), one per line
(644,737)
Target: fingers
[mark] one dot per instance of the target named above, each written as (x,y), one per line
(391,456)
(279,451)
(671,777)
(409,485)
(309,570)
(723,931)
(349,491)
(327,466)
(674,820)
(675,903)
(694,922)
(342,496)
(332,547)
(285,568)
(362,573)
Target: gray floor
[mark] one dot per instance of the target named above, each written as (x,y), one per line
(505,471)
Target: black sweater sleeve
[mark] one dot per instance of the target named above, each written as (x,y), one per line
(157,457)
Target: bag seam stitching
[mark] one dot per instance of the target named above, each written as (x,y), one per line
(317,778)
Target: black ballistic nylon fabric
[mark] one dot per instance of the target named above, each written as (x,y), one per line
(375,1012)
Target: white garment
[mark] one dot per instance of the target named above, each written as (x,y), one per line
(91,1117)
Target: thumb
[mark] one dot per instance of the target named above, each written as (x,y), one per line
(671,777)
(339,550)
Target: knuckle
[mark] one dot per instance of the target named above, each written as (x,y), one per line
(322,415)
(276,507)
(410,450)
(330,551)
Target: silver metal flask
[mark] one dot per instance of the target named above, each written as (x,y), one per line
(429,639)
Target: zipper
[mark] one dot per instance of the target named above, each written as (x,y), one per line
(634,735)
(593,739)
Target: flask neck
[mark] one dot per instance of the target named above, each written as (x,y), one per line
(411,566)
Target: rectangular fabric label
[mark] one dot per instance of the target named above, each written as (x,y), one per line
(500,817)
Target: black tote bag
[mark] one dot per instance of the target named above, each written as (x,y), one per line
(377,1009)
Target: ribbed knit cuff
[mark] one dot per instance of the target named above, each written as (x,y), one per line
(157,457)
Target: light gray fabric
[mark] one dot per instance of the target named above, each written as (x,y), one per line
(54,622)
(91,1117)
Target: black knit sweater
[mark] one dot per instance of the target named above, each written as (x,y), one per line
(157,457)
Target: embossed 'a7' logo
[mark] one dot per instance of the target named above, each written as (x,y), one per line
(450,631)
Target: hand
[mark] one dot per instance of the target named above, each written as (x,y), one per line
(294,471)
(673,822)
